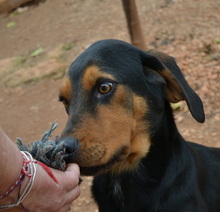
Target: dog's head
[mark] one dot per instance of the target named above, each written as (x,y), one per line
(109,92)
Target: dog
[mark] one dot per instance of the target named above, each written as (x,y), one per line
(121,130)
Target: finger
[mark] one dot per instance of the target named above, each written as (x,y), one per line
(65,208)
(73,173)
(73,167)
(73,194)
(70,178)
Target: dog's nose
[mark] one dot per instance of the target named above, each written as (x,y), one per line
(71,145)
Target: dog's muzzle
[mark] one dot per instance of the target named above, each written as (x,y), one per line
(70,145)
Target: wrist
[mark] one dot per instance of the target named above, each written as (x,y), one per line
(13,198)
(22,186)
(43,184)
(11,178)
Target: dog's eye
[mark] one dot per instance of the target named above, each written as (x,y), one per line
(105,88)
(65,102)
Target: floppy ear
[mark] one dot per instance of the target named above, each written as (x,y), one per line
(177,88)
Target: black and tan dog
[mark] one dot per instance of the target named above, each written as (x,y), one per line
(121,130)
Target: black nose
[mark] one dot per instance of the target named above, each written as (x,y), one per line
(70,145)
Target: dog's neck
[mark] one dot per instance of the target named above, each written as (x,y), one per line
(165,141)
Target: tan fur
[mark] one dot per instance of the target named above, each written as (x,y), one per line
(92,74)
(115,127)
(101,138)
(118,126)
(139,140)
(173,90)
(66,90)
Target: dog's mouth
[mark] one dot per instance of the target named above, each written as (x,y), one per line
(73,154)
(99,169)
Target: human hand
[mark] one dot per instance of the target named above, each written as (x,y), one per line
(46,196)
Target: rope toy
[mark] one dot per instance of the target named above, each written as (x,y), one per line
(50,153)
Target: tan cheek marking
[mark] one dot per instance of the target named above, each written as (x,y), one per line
(100,139)
(120,97)
(66,89)
(138,150)
(139,141)
(92,74)
(140,146)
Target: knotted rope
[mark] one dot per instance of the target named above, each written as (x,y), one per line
(49,152)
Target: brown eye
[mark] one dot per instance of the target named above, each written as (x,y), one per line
(105,88)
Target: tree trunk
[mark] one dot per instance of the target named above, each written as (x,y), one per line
(133,23)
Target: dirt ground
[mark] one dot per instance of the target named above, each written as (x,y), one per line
(38,43)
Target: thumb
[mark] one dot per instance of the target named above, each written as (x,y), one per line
(73,167)
(73,172)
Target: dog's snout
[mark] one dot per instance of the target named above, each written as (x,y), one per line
(71,145)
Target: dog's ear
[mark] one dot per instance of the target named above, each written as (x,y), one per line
(177,88)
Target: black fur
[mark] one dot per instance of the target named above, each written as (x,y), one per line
(175,176)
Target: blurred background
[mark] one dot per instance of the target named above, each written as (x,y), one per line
(40,39)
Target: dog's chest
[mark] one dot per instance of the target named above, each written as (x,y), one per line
(116,190)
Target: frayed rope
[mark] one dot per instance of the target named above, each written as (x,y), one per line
(48,152)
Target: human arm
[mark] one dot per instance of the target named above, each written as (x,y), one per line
(45,195)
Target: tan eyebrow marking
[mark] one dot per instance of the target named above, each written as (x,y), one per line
(66,89)
(92,74)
